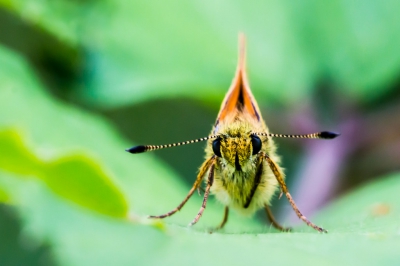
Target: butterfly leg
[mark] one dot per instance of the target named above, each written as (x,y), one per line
(210,181)
(196,185)
(283,186)
(274,223)
(224,220)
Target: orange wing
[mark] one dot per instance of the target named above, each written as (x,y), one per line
(239,96)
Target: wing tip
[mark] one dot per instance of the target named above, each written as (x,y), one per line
(242,51)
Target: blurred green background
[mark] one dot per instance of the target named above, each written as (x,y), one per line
(80,81)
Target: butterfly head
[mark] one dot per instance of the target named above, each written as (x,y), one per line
(237,150)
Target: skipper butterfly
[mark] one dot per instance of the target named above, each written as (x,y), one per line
(241,167)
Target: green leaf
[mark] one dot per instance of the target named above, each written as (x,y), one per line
(138,50)
(77,237)
(75,177)
(59,18)
(3,196)
(15,157)
(79,178)
(359,234)
(371,210)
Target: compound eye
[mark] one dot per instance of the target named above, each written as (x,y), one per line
(256,142)
(216,146)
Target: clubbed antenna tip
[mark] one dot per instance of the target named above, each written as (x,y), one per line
(137,149)
(328,135)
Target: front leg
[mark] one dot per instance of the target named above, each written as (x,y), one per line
(284,189)
(273,221)
(210,181)
(196,185)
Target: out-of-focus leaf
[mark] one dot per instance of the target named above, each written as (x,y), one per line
(138,50)
(3,196)
(63,136)
(77,237)
(60,18)
(14,157)
(354,44)
(76,177)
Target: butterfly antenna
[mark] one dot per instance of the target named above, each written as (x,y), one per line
(145,148)
(319,135)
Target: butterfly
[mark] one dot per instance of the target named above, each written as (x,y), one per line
(241,168)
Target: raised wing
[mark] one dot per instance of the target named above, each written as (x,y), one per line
(239,97)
